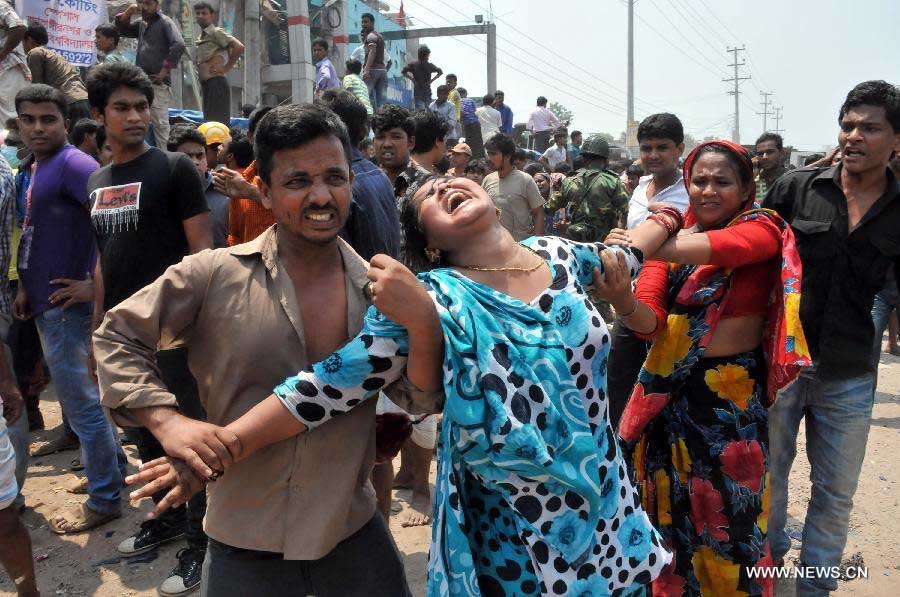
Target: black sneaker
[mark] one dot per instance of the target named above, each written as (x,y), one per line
(153,533)
(185,578)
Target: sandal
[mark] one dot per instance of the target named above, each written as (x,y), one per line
(79,519)
(60,443)
(79,485)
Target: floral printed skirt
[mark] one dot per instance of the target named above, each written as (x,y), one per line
(701,466)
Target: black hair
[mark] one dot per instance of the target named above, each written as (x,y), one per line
(661,126)
(487,100)
(501,143)
(813,158)
(779,142)
(423,51)
(367,15)
(875,93)
(206,5)
(241,148)
(477,166)
(255,117)
(451,76)
(247,109)
(522,155)
(100,137)
(562,168)
(185,133)
(534,168)
(541,100)
(104,79)
(107,30)
(634,170)
(350,110)
(83,128)
(321,43)
(574,133)
(442,89)
(411,229)
(37,33)
(392,116)
(462,91)
(743,168)
(498,92)
(431,127)
(294,125)
(366,142)
(39,93)
(353,66)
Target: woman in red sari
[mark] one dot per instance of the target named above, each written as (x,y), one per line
(726,335)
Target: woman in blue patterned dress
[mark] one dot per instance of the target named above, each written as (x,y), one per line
(532,495)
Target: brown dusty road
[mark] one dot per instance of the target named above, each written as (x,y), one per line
(86,564)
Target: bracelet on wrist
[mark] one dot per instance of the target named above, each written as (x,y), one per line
(633,309)
(664,222)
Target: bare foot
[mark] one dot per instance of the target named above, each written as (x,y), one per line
(403,480)
(418,512)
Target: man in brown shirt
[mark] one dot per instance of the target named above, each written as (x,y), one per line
(299,516)
(51,69)
(217,52)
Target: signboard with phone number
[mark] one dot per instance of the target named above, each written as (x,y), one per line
(70,25)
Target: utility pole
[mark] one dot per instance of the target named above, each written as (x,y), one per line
(630,115)
(630,125)
(778,118)
(736,135)
(491,57)
(765,104)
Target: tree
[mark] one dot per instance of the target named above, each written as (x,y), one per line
(562,112)
(689,143)
(605,136)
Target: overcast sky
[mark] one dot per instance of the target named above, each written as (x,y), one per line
(808,53)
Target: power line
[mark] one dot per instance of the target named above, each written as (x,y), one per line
(686,39)
(703,22)
(736,79)
(765,104)
(716,17)
(545,47)
(575,96)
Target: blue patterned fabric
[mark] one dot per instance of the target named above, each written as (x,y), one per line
(532,494)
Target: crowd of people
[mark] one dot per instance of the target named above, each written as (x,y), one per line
(610,360)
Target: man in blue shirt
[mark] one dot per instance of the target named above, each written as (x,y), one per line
(373,226)
(326,76)
(506,113)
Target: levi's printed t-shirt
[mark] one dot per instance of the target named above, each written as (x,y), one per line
(138,211)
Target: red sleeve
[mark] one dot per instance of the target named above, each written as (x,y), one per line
(653,290)
(754,241)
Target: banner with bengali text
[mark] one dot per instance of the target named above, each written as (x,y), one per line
(70,25)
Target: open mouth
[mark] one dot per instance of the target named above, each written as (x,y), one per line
(853,153)
(456,199)
(321,217)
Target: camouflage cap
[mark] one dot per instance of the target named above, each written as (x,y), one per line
(596,145)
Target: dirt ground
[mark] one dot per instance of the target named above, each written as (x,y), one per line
(88,564)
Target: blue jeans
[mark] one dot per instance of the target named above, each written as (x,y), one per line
(421,103)
(64,337)
(837,415)
(377,85)
(885,302)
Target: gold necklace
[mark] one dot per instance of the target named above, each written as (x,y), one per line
(507,269)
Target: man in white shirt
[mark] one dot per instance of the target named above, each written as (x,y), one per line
(558,153)
(541,123)
(489,118)
(661,141)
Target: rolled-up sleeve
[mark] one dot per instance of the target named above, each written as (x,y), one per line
(126,343)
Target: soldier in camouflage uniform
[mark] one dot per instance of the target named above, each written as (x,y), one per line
(594,197)
(595,201)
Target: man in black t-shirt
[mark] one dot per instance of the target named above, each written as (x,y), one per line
(148,211)
(420,73)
